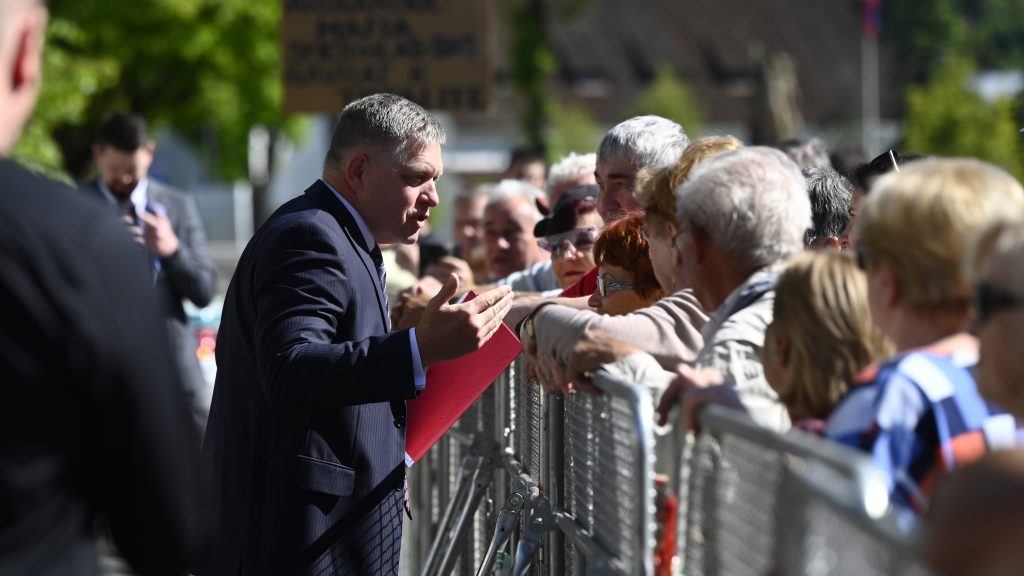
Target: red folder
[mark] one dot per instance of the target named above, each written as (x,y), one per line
(452,387)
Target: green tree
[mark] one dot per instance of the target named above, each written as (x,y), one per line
(995,32)
(209,69)
(669,96)
(532,64)
(572,129)
(923,38)
(946,118)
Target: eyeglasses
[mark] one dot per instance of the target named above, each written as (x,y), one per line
(607,283)
(578,240)
(989,300)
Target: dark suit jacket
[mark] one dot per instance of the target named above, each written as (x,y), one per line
(302,441)
(93,419)
(188,274)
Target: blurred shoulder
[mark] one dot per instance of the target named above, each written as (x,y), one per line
(28,199)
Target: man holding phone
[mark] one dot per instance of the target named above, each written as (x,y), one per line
(162,220)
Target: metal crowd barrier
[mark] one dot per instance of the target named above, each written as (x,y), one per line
(734,480)
(529,483)
(825,534)
(607,509)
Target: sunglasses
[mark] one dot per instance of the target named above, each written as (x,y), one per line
(990,300)
(607,283)
(578,240)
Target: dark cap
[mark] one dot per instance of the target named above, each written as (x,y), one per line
(575,202)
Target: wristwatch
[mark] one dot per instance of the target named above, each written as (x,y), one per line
(530,327)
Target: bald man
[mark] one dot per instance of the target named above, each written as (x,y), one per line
(93,421)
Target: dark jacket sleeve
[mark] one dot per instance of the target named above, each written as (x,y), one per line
(190,270)
(314,300)
(143,444)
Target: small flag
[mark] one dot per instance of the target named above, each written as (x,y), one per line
(871,18)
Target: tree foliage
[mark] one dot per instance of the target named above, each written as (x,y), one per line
(923,38)
(995,32)
(946,118)
(209,69)
(989,32)
(572,129)
(669,96)
(532,64)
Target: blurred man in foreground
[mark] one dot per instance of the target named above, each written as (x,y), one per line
(93,421)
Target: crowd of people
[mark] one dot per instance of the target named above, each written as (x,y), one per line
(878,309)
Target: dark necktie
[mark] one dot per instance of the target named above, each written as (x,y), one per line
(382,274)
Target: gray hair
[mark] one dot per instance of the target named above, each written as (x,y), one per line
(385,123)
(751,202)
(830,195)
(650,142)
(571,167)
(806,152)
(509,189)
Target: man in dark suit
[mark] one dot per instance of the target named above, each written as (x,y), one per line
(93,420)
(306,436)
(164,221)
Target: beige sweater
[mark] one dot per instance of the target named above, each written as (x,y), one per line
(669,329)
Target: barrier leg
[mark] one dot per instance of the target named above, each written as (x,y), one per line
(554,479)
(478,489)
(541,521)
(522,491)
(467,472)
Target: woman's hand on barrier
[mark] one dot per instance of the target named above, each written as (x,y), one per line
(553,374)
(693,389)
(593,350)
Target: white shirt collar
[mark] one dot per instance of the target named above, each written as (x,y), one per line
(138,196)
(363,228)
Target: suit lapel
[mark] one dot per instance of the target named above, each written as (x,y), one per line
(323,195)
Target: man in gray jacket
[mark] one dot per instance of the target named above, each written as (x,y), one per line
(740,215)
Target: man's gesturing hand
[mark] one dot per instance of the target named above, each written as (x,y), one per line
(158,235)
(448,331)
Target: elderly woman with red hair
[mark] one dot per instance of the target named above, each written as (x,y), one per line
(626,280)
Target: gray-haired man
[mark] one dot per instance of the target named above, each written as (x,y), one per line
(641,143)
(306,435)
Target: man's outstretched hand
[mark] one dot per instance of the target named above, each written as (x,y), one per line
(447,331)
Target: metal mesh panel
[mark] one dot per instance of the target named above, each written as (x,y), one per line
(534,416)
(734,484)
(521,446)
(732,506)
(833,547)
(457,451)
(528,398)
(835,541)
(602,453)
